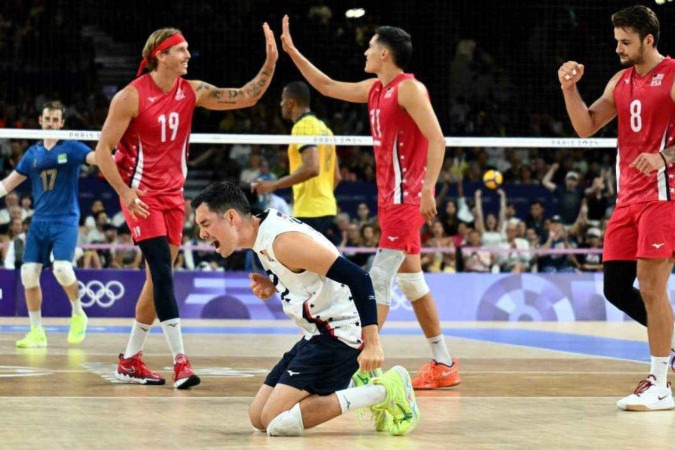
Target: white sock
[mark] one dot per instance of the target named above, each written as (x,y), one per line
(77,307)
(440,350)
(672,342)
(173,336)
(659,369)
(139,334)
(362,396)
(35,318)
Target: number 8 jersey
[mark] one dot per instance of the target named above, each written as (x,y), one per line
(646,119)
(152,154)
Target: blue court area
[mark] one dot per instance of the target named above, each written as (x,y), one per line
(546,340)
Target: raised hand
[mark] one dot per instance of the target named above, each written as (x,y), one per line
(286,39)
(271,45)
(570,73)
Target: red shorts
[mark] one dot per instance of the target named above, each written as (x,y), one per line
(640,230)
(166,218)
(400,225)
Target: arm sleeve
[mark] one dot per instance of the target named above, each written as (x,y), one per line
(359,283)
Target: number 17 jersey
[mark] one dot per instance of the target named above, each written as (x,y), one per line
(646,122)
(152,154)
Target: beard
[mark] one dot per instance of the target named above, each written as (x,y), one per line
(638,59)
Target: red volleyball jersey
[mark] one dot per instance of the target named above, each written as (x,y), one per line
(400,148)
(646,116)
(152,154)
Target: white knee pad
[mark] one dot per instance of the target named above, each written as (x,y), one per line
(64,273)
(413,285)
(382,273)
(30,275)
(288,423)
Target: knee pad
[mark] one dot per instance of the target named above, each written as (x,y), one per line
(382,273)
(413,285)
(288,423)
(64,273)
(30,275)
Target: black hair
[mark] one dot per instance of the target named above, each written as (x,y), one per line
(221,196)
(641,19)
(398,42)
(298,91)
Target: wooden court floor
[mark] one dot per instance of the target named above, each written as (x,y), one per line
(512,396)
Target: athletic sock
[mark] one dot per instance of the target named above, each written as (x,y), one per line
(360,397)
(35,319)
(440,350)
(139,334)
(77,307)
(660,369)
(173,336)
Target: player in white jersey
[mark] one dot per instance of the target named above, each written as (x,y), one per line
(330,299)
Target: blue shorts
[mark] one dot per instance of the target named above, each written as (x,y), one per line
(45,237)
(320,366)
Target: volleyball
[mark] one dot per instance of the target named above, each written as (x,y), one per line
(492,179)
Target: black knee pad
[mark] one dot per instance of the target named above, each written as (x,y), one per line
(157,253)
(619,291)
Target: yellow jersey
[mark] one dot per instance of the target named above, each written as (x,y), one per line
(314,197)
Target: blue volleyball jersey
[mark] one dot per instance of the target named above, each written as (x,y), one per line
(54,175)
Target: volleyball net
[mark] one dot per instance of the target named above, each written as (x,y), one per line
(262,140)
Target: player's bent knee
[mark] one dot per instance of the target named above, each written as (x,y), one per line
(30,275)
(64,273)
(288,423)
(413,285)
(255,416)
(256,423)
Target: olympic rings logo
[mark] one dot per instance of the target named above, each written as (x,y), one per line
(104,295)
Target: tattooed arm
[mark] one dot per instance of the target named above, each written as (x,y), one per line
(669,154)
(211,97)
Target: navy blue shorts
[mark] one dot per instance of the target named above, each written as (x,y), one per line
(45,237)
(320,366)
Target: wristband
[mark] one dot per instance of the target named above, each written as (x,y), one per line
(3,190)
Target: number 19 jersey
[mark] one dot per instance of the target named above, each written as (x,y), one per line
(152,154)
(646,120)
